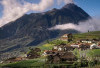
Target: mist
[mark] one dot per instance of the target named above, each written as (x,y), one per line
(89,25)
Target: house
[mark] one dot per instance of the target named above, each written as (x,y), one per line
(95,40)
(61,57)
(55,47)
(86,41)
(75,45)
(15,59)
(49,52)
(63,47)
(99,45)
(64,37)
(69,48)
(1,62)
(68,56)
(94,46)
(67,37)
(84,46)
(60,47)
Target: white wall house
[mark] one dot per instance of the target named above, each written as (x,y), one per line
(84,41)
(94,46)
(55,47)
(76,46)
(60,49)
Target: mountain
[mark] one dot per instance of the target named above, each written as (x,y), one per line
(32,29)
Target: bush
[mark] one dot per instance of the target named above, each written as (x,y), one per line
(84,63)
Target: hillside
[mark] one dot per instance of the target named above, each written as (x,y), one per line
(88,35)
(32,29)
(49,45)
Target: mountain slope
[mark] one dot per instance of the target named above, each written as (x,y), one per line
(32,29)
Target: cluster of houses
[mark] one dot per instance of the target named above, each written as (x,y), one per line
(32,54)
(82,44)
(93,43)
(62,52)
(66,50)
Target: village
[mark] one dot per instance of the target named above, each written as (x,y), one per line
(63,52)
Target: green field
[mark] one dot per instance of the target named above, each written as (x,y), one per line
(49,45)
(26,63)
(89,35)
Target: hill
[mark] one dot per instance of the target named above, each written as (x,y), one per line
(48,46)
(32,29)
(89,35)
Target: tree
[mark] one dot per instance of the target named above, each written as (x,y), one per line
(33,53)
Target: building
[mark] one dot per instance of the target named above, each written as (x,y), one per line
(61,57)
(49,52)
(95,40)
(86,41)
(67,37)
(60,47)
(75,45)
(63,47)
(94,46)
(64,37)
(84,46)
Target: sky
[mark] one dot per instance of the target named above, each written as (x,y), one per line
(11,10)
(92,7)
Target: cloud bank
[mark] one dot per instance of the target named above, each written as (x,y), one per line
(14,9)
(91,25)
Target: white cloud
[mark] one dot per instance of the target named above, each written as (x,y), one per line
(68,1)
(13,9)
(65,1)
(91,25)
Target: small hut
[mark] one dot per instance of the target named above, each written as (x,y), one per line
(67,37)
(68,56)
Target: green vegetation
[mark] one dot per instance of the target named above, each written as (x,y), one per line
(57,42)
(26,63)
(89,35)
(76,53)
(50,44)
(46,47)
(93,53)
(40,62)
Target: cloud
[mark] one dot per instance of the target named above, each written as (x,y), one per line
(65,1)
(68,1)
(14,9)
(91,25)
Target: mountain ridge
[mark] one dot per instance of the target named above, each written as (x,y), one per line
(32,29)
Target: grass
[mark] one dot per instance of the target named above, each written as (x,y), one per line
(26,63)
(89,35)
(49,46)
(96,66)
(46,47)
(94,53)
